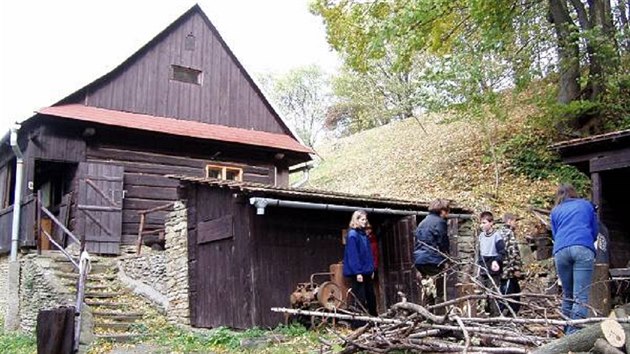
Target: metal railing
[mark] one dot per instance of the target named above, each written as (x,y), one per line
(82,265)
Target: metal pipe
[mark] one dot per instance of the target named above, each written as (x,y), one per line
(17,193)
(261,203)
(305,168)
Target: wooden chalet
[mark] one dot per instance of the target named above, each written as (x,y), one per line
(606,159)
(182,104)
(249,245)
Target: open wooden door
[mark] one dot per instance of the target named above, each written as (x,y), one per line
(99,210)
(398,266)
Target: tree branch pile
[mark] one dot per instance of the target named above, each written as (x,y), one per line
(413,327)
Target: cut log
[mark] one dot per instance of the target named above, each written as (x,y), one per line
(583,340)
(614,333)
(601,346)
(620,312)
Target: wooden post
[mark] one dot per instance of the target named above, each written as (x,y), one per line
(140,228)
(599,297)
(596,182)
(55,330)
(38,213)
(83,270)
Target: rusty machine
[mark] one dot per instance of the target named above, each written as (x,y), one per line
(329,294)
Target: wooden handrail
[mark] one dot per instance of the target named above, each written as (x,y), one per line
(143,217)
(58,223)
(50,238)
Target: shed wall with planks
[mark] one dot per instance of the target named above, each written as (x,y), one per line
(222,291)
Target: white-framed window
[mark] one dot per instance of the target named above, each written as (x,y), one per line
(224,172)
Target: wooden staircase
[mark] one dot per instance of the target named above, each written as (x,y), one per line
(116,314)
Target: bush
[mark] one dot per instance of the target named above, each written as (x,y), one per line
(529,155)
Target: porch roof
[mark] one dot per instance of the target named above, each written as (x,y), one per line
(315,195)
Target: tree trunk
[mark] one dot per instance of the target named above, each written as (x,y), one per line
(601,46)
(568,51)
(601,346)
(584,339)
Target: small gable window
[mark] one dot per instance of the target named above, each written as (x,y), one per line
(187,75)
(224,172)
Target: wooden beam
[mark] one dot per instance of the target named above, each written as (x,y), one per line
(610,161)
(596,184)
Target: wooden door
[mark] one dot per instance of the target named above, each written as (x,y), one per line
(397,258)
(99,210)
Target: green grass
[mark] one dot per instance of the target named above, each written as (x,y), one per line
(169,338)
(17,343)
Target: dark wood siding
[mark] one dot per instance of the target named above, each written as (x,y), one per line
(292,244)
(226,96)
(145,184)
(222,290)
(61,142)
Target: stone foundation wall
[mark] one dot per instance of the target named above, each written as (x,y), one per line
(148,268)
(466,238)
(177,265)
(39,290)
(4,277)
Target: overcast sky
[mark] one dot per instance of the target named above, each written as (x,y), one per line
(51,48)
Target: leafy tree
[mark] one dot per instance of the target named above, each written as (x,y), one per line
(376,96)
(578,40)
(303,96)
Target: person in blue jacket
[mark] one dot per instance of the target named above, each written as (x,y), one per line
(432,247)
(358,264)
(574,228)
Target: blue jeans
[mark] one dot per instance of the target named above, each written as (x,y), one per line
(575,269)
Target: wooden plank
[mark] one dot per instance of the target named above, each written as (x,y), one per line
(596,183)
(55,330)
(138,179)
(610,161)
(148,168)
(132,216)
(151,192)
(214,230)
(142,204)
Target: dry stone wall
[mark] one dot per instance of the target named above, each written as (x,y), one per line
(148,268)
(4,277)
(39,290)
(177,265)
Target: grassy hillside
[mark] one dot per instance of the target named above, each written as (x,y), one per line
(437,159)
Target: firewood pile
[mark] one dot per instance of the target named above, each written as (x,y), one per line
(537,328)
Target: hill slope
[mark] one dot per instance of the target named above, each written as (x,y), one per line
(446,160)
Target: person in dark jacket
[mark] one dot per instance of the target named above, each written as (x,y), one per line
(491,255)
(432,248)
(574,228)
(358,264)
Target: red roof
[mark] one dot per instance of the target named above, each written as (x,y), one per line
(175,127)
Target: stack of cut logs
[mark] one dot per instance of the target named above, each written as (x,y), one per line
(538,329)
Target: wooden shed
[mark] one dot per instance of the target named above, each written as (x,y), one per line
(249,245)
(606,159)
(182,104)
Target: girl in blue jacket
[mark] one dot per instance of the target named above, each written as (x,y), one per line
(574,228)
(358,264)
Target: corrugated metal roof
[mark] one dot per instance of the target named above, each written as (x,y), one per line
(258,189)
(591,139)
(175,127)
